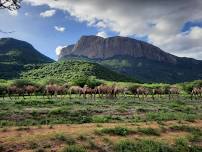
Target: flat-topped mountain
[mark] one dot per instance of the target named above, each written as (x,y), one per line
(134,58)
(96,47)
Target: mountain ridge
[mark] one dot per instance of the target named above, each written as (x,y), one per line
(102,48)
(148,63)
(14,54)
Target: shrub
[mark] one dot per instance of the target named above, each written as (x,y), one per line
(21,83)
(181,145)
(141,146)
(53,81)
(67,139)
(116,131)
(149,131)
(185,128)
(74,148)
(100,119)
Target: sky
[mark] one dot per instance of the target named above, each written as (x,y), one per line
(175,26)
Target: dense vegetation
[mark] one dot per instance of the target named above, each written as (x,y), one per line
(153,71)
(72,71)
(150,71)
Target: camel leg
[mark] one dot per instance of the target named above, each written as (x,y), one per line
(153,96)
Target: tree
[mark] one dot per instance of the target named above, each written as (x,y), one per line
(10,4)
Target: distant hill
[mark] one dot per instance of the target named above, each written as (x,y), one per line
(134,58)
(72,70)
(14,54)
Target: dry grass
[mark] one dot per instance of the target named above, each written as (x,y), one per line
(42,137)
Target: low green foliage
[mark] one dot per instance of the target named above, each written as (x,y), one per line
(120,131)
(141,146)
(74,148)
(76,72)
(149,131)
(65,138)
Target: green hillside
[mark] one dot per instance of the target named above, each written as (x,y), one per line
(153,71)
(71,70)
(14,54)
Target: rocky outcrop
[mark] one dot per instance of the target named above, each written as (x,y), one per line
(95,47)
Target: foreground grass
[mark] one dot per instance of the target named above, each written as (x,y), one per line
(119,125)
(104,137)
(44,111)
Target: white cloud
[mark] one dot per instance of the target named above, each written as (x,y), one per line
(13,12)
(59,28)
(26,14)
(102,34)
(186,44)
(48,13)
(160,20)
(59,49)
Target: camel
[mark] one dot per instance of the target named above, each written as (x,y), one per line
(107,90)
(142,91)
(50,90)
(157,91)
(75,90)
(196,91)
(30,90)
(173,91)
(87,90)
(60,90)
(120,90)
(12,90)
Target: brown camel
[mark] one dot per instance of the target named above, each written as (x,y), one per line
(87,90)
(105,90)
(158,91)
(30,90)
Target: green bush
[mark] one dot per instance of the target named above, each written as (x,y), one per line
(74,148)
(149,131)
(65,138)
(141,146)
(120,131)
(21,83)
(100,118)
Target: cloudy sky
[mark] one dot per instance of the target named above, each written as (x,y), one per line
(173,25)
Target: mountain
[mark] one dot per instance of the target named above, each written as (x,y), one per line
(14,54)
(71,71)
(134,58)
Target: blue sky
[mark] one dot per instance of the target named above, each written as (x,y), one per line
(175,27)
(40,31)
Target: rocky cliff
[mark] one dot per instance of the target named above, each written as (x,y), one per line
(95,47)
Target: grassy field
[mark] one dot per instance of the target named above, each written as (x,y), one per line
(122,125)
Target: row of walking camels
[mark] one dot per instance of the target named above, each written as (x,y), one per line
(101,91)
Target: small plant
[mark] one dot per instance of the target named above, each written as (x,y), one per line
(33,145)
(181,145)
(100,119)
(74,148)
(82,137)
(67,139)
(121,131)
(23,129)
(141,146)
(149,131)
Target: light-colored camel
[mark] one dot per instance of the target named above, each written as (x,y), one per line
(75,90)
(173,91)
